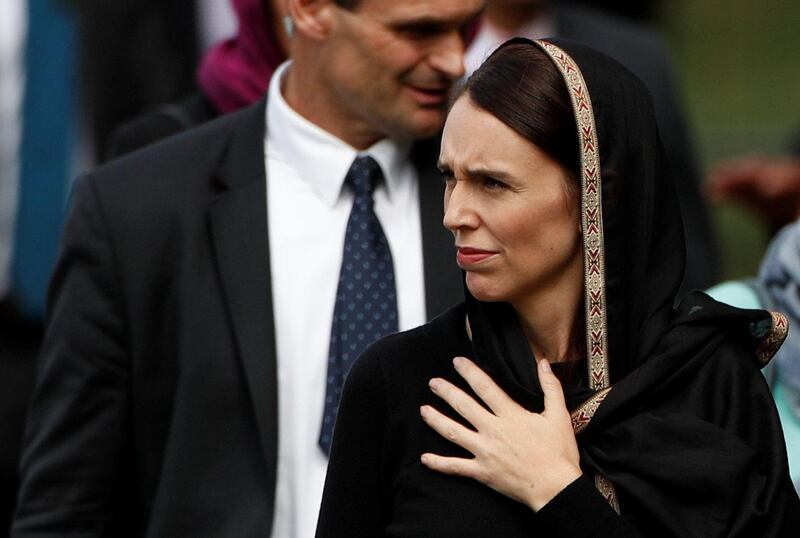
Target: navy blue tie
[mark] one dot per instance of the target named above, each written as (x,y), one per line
(366,300)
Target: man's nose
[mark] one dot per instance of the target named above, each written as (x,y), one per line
(448,56)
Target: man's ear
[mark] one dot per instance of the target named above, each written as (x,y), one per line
(312,18)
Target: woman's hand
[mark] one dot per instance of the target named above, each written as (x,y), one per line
(526,456)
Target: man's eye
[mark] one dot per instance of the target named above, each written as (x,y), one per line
(492,183)
(420,31)
(447,177)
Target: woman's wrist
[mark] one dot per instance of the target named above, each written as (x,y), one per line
(550,486)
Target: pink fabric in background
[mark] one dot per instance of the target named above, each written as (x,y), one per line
(236,72)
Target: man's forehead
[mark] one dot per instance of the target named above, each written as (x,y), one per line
(423,10)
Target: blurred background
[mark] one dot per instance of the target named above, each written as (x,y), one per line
(73,70)
(737,62)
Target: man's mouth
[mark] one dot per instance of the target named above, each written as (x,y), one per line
(429,95)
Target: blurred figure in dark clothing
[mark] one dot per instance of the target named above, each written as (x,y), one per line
(134,54)
(19,345)
(642,10)
(232,75)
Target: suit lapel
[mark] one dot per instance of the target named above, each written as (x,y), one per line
(238,225)
(443,280)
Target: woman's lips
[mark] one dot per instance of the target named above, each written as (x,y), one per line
(470,256)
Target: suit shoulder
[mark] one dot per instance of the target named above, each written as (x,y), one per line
(196,151)
(160,123)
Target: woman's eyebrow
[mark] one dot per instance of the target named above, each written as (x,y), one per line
(485,171)
(476,171)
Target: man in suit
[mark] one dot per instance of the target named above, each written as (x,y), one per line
(187,359)
(643,51)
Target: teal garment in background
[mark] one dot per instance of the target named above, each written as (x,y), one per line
(46,151)
(743,295)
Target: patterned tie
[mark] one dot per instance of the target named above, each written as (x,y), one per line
(366,301)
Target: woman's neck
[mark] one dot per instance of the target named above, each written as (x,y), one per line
(548,316)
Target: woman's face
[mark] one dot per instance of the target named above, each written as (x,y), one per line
(511,209)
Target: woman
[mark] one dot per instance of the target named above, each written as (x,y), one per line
(571,243)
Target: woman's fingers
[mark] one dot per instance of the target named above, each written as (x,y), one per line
(483,385)
(450,429)
(469,468)
(551,387)
(460,401)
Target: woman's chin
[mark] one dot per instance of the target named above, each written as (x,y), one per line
(484,290)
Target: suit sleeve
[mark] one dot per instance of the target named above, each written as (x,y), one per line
(76,427)
(354,502)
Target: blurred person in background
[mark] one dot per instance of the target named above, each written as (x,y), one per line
(777,287)
(232,75)
(767,185)
(134,54)
(198,334)
(642,50)
(17,352)
(37,59)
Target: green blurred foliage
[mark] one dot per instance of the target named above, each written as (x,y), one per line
(739,62)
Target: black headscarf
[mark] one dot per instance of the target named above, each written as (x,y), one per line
(675,421)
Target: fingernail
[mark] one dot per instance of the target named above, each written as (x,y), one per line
(424,458)
(458,361)
(545,365)
(423,411)
(434,384)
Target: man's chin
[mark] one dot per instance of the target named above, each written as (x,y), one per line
(425,123)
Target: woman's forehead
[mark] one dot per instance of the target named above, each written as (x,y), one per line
(475,139)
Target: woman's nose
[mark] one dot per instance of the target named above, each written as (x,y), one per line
(458,210)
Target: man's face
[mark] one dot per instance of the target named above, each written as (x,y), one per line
(390,65)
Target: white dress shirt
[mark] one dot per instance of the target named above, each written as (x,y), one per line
(308,208)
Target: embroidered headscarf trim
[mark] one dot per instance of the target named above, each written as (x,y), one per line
(593,249)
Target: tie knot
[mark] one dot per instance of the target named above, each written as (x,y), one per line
(364,175)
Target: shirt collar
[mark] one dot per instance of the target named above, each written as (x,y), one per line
(490,37)
(321,158)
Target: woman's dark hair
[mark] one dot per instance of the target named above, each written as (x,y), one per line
(519,85)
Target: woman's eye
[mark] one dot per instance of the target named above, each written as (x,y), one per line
(447,177)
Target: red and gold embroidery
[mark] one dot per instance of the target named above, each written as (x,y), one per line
(769,346)
(607,490)
(593,249)
(591,218)
(583,414)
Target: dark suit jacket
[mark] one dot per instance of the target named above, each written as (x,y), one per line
(642,51)
(159,123)
(155,410)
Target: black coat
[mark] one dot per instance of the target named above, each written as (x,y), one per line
(155,410)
